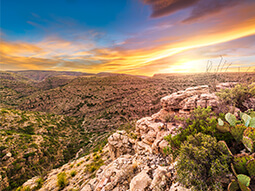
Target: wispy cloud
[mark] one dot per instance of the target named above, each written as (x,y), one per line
(199,8)
(166,7)
(161,47)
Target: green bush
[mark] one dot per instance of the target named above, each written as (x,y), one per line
(62,180)
(238,95)
(201,163)
(94,166)
(200,120)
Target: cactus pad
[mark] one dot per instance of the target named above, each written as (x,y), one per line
(233,186)
(243,187)
(244,182)
(252,122)
(224,148)
(237,131)
(231,119)
(244,179)
(250,166)
(248,143)
(223,128)
(240,161)
(249,138)
(233,169)
(246,118)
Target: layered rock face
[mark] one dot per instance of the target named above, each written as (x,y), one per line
(187,100)
(140,164)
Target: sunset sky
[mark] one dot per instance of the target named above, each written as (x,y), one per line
(127,36)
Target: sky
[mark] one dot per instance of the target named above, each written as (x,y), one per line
(141,37)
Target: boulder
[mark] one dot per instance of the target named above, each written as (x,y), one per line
(140,182)
(114,174)
(120,144)
(187,100)
(147,129)
(160,180)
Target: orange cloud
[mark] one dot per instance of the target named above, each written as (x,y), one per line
(59,54)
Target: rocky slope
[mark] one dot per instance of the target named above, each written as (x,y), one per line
(33,143)
(134,162)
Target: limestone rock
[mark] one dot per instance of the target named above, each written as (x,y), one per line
(147,129)
(120,144)
(31,183)
(177,187)
(160,179)
(187,100)
(225,85)
(172,102)
(140,182)
(250,103)
(116,173)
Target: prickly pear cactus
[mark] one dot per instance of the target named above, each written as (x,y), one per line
(248,143)
(243,187)
(250,166)
(220,122)
(224,148)
(233,186)
(224,127)
(240,161)
(233,169)
(244,179)
(244,182)
(252,122)
(237,131)
(246,118)
(249,138)
(231,119)
(251,112)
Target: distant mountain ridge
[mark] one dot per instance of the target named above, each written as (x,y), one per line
(40,75)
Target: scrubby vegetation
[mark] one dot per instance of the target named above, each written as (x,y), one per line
(95,165)
(212,149)
(62,180)
(33,143)
(202,164)
(238,96)
(201,120)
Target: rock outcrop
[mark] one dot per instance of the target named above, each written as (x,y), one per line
(120,144)
(140,164)
(187,100)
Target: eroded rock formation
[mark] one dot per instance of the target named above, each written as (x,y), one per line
(140,164)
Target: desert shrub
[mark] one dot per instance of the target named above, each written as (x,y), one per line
(169,118)
(62,180)
(200,120)
(39,182)
(73,173)
(238,95)
(201,163)
(94,166)
(29,130)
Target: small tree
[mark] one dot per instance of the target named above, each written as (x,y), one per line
(201,163)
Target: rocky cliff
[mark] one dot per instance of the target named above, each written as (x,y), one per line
(133,161)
